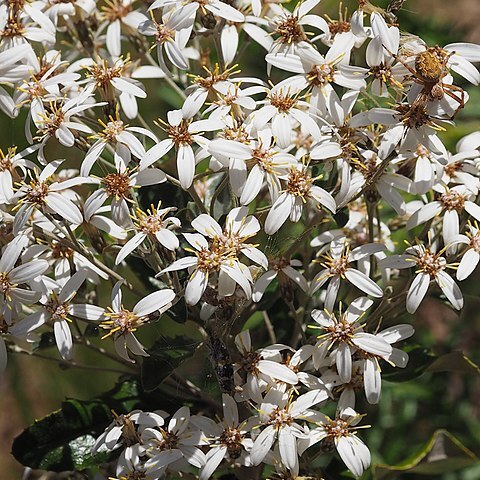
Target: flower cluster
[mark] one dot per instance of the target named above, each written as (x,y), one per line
(286,187)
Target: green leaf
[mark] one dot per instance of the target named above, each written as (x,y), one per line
(454,362)
(165,356)
(63,439)
(443,453)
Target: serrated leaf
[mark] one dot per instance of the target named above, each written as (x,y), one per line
(63,439)
(165,356)
(443,453)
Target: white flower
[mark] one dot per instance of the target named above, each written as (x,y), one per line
(228,439)
(269,164)
(429,266)
(118,14)
(121,322)
(12,276)
(258,369)
(338,266)
(451,203)
(346,334)
(152,224)
(300,189)
(164,446)
(280,416)
(220,254)
(118,187)
(47,197)
(341,432)
(471,256)
(56,308)
(183,133)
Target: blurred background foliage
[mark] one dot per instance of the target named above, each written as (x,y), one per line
(410,411)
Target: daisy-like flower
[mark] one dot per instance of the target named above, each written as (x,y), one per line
(180,439)
(57,308)
(220,254)
(341,433)
(451,203)
(124,430)
(344,336)
(154,225)
(183,133)
(110,79)
(40,193)
(429,266)
(266,162)
(121,137)
(283,111)
(56,121)
(337,266)
(280,414)
(168,37)
(12,276)
(24,25)
(228,439)
(9,163)
(118,187)
(121,323)
(289,26)
(317,73)
(283,269)
(257,371)
(300,189)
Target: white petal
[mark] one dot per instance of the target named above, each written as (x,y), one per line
(417,291)
(154,301)
(63,337)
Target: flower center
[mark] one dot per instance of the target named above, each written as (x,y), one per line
(59,311)
(282,101)
(232,439)
(169,441)
(290,30)
(249,362)
(111,130)
(60,251)
(342,331)
(337,428)
(452,168)
(180,134)
(299,183)
(36,192)
(6,160)
(337,266)
(117,184)
(321,75)
(5,284)
(279,418)
(429,262)
(453,200)
(122,322)
(164,34)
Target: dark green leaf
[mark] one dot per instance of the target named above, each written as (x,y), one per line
(165,356)
(454,362)
(443,453)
